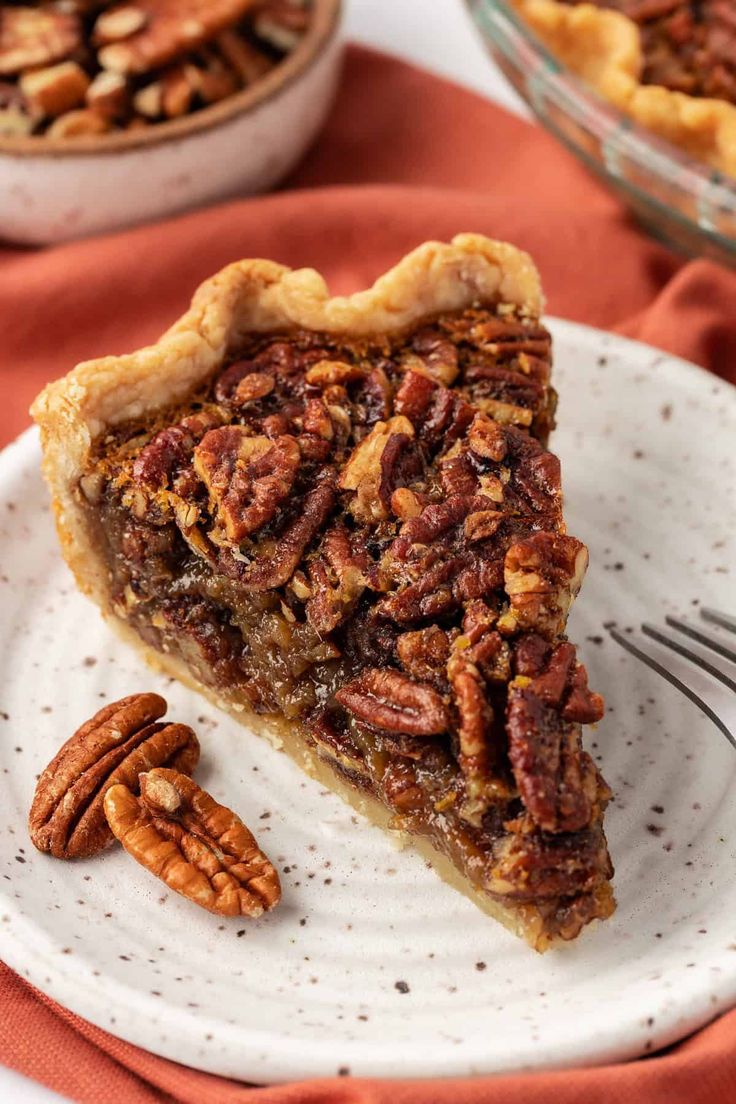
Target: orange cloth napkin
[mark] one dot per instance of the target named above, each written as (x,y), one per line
(405,157)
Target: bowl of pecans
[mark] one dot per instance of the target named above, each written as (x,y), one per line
(108,112)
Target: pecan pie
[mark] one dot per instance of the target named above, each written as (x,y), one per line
(670,64)
(340,516)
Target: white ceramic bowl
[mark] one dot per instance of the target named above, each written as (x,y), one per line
(53,190)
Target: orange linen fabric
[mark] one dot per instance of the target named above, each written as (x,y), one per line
(405,157)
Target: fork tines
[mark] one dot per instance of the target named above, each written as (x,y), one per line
(701,663)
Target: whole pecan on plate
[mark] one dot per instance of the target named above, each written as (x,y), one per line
(197,847)
(67,818)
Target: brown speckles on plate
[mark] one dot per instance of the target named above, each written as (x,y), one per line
(401,986)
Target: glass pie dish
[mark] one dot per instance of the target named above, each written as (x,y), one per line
(683,202)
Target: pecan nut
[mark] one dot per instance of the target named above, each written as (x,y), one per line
(415,396)
(157,31)
(327,373)
(197,847)
(318,431)
(170,450)
(31,37)
(281,23)
(487,439)
(477,752)
(542,576)
(55,89)
(373,398)
(273,570)
(366,476)
(67,818)
(430,597)
(401,465)
(337,580)
(253,386)
(459,476)
(439,414)
(556,778)
(82,122)
(433,355)
(424,653)
(395,703)
(531,865)
(247,478)
(243,58)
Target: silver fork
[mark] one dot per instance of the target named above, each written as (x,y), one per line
(699,662)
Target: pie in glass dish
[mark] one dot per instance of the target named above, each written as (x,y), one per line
(338,519)
(668,64)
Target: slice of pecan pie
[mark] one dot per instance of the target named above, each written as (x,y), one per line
(340,516)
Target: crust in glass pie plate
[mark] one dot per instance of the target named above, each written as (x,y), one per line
(314,988)
(548,875)
(603,48)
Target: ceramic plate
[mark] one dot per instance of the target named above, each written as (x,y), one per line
(371,965)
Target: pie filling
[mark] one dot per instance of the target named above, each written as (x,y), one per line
(688,45)
(365,537)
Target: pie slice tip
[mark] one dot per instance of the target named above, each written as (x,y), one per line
(338,519)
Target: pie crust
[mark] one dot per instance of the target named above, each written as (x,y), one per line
(248,301)
(603,47)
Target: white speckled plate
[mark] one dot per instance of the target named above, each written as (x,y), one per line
(372,965)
